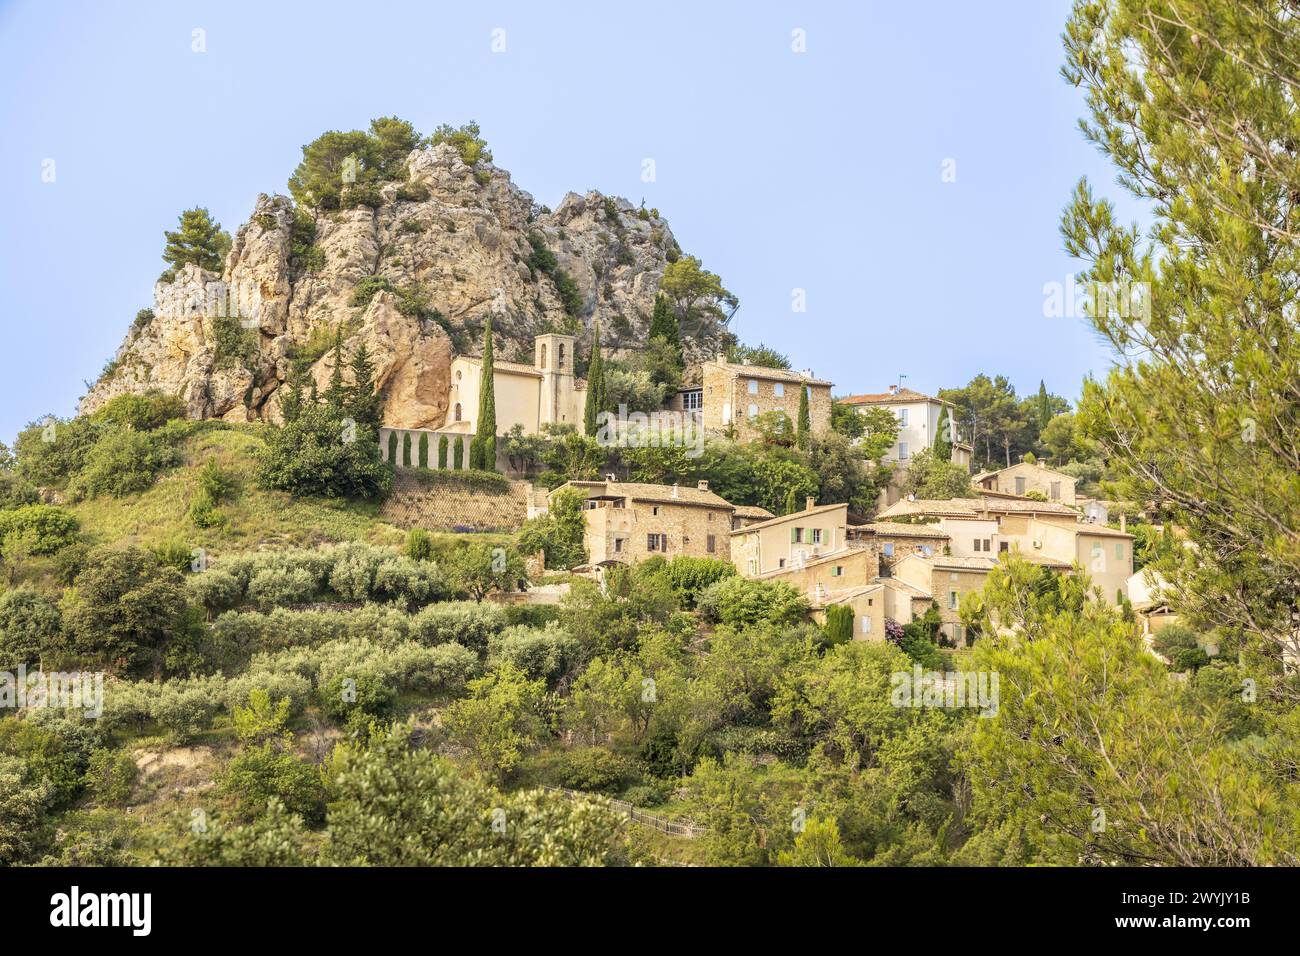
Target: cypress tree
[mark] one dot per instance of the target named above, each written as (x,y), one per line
(483,447)
(595,387)
(803,432)
(943,438)
(1044,406)
(789,501)
(442,452)
(423,460)
(406,449)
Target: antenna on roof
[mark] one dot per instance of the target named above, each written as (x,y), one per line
(901,376)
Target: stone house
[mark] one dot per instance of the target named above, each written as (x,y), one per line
(546,392)
(629,521)
(1024,477)
(891,541)
(918,421)
(790,540)
(867,602)
(727,395)
(944,579)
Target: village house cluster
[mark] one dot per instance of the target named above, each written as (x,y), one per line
(914,553)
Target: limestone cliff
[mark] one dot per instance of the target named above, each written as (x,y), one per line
(414,276)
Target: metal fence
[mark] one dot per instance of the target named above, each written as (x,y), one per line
(653,820)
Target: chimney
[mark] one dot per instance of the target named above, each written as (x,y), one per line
(893,390)
(722,358)
(610,476)
(675,492)
(809,504)
(702,485)
(1123,521)
(807,373)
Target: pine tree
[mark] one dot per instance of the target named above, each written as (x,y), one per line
(803,429)
(200,241)
(291,398)
(943,437)
(663,323)
(363,402)
(483,446)
(336,394)
(595,386)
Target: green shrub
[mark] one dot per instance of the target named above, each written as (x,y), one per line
(232,344)
(111,776)
(419,545)
(204,513)
(274,587)
(741,602)
(30,627)
(469,623)
(260,773)
(839,624)
(144,412)
(49,528)
(541,653)
(690,576)
(310,456)
(125,461)
(595,769)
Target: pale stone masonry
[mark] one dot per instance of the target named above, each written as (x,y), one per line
(1023,477)
(629,521)
(729,395)
(544,393)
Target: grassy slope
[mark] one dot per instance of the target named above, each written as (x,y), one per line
(255,518)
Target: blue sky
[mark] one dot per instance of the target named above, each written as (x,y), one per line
(819,170)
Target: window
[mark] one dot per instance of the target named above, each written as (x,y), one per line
(778,390)
(1119,551)
(866,624)
(1020,485)
(1004,546)
(654,510)
(889,549)
(837,571)
(753,386)
(656,542)
(988,544)
(902,451)
(543,356)
(977,544)
(1056,491)
(753,411)
(816,535)
(753,566)
(559,358)
(458,411)
(902,417)
(618,545)
(726,413)
(709,543)
(927,550)
(780,562)
(952,600)
(693,401)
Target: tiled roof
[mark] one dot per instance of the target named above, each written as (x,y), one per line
(840,595)
(1002,504)
(903,586)
(952,562)
(793,516)
(938,507)
(771,374)
(637,491)
(753,511)
(814,561)
(898,529)
(516,368)
(1102,531)
(903,395)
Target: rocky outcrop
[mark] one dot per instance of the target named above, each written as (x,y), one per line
(448,248)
